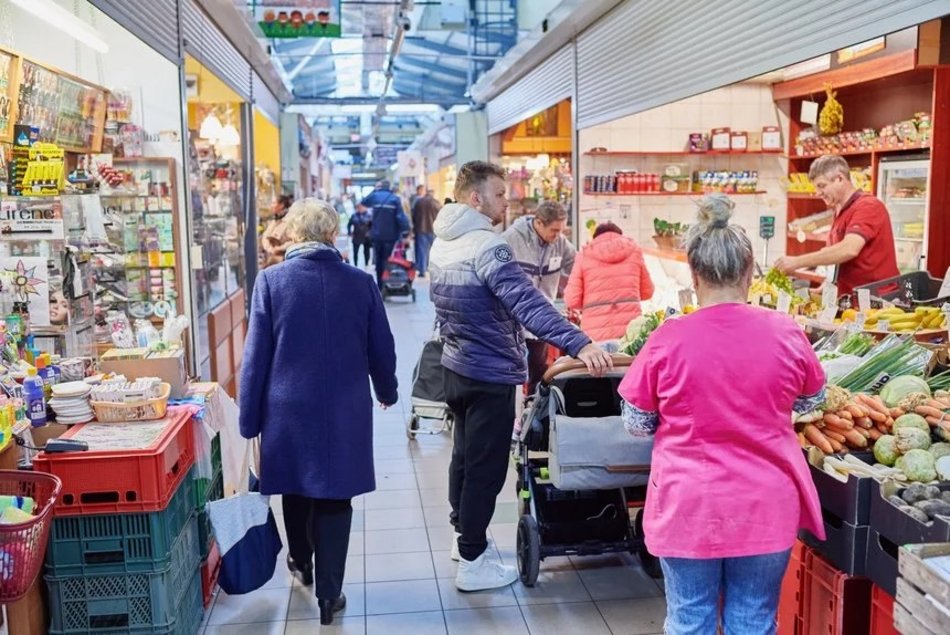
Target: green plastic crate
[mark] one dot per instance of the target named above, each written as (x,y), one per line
(205,534)
(131,602)
(207,490)
(119,543)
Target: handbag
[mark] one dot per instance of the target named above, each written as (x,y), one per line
(248,539)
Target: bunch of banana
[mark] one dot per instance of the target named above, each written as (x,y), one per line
(923,317)
(831,118)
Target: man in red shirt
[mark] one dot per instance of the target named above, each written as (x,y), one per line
(861,241)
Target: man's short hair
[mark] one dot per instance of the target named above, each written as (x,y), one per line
(827,165)
(473,175)
(550,211)
(383,185)
(421,188)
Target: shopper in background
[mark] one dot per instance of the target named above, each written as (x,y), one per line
(861,241)
(389,224)
(358,229)
(318,333)
(424,212)
(274,239)
(718,388)
(546,256)
(482,298)
(608,282)
(420,192)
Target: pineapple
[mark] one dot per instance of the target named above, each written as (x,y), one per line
(831,119)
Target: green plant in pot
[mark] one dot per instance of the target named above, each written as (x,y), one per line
(667,234)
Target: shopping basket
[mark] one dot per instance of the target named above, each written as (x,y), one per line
(23,545)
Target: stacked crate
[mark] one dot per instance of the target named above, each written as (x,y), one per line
(123,553)
(207,489)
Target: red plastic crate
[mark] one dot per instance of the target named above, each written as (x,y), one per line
(882,612)
(790,607)
(835,603)
(123,481)
(210,569)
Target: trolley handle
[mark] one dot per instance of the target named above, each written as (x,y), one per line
(570,364)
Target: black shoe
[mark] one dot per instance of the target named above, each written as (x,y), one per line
(329,607)
(305,572)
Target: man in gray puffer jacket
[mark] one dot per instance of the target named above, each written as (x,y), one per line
(483,299)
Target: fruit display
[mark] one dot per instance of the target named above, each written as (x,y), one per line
(831,118)
(922,317)
(767,288)
(910,133)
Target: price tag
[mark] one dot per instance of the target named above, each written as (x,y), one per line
(829,295)
(757,299)
(864,299)
(827,315)
(784,302)
(860,320)
(883,325)
(803,293)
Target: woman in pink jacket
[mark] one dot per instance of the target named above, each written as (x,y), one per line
(607,283)
(729,487)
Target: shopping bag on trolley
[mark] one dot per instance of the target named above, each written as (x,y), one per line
(248,539)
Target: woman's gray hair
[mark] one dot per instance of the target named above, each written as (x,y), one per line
(312,220)
(719,253)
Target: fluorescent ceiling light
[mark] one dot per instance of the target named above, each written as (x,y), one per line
(412,108)
(63,20)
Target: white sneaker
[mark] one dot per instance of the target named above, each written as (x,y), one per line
(455,546)
(483,573)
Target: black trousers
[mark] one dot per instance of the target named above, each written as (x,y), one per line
(321,527)
(382,250)
(367,250)
(484,418)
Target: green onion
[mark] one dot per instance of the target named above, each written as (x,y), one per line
(895,356)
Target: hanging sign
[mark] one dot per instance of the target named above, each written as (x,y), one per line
(766,227)
(300,18)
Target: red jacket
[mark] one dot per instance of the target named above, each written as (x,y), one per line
(607,283)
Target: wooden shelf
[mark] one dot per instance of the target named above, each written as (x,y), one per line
(858,153)
(803,196)
(634,194)
(681,153)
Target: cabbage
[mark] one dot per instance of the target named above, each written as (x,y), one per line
(899,387)
(920,466)
(912,439)
(912,420)
(940,449)
(885,450)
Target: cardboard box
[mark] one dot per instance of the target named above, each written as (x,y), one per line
(170,368)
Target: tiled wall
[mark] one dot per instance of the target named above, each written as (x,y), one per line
(746,106)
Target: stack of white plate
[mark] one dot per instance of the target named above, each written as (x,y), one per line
(70,402)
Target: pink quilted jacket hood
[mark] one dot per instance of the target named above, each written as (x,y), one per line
(607,283)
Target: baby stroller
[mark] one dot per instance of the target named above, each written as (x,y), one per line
(428,395)
(399,273)
(580,471)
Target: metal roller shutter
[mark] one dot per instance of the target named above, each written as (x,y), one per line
(545,86)
(154,22)
(208,45)
(645,54)
(265,100)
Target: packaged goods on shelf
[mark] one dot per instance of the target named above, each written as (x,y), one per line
(812,223)
(910,133)
(728,182)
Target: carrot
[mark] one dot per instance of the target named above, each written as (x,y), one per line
(876,402)
(889,423)
(815,436)
(875,434)
(866,400)
(864,422)
(856,439)
(856,411)
(837,446)
(882,428)
(936,404)
(876,416)
(833,435)
(844,414)
(801,440)
(937,421)
(929,411)
(895,412)
(834,421)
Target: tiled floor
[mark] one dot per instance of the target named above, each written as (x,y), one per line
(399,577)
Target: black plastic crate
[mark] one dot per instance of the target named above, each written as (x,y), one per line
(850,502)
(889,521)
(845,545)
(908,290)
(881,562)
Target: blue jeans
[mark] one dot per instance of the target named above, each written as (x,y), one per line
(423,245)
(748,587)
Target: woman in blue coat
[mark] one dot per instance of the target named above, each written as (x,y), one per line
(318,333)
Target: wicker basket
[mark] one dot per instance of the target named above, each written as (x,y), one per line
(108,412)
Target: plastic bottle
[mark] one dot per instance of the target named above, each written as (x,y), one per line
(33,395)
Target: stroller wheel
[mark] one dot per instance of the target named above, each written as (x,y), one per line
(529,550)
(650,563)
(412,426)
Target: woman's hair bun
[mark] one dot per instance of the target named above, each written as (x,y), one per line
(715,210)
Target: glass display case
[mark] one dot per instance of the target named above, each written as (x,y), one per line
(902,186)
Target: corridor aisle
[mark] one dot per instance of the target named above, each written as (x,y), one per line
(400,579)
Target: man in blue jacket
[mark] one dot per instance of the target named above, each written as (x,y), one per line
(389,223)
(483,300)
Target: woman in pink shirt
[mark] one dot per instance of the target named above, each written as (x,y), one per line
(729,487)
